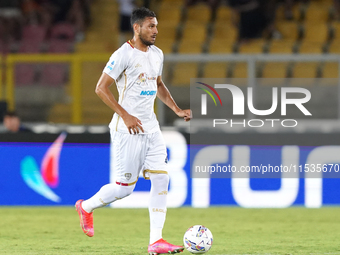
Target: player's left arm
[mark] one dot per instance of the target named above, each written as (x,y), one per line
(164,94)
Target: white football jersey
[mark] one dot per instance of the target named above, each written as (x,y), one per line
(135,73)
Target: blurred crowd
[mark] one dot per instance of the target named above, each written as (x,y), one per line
(16,14)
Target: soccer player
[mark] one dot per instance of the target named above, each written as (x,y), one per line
(138,145)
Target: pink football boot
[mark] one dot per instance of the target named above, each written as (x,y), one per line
(161,246)
(86,219)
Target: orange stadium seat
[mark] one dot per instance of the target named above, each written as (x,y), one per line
(334,48)
(166,36)
(224,37)
(252,47)
(199,13)
(288,29)
(224,14)
(240,70)
(315,35)
(183,72)
(335,45)
(305,70)
(283,46)
(193,38)
(169,12)
(280,12)
(215,70)
(221,46)
(274,70)
(330,70)
(317,12)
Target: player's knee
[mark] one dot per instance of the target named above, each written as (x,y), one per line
(124,191)
(164,178)
(159,179)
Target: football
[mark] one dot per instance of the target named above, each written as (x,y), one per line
(198,239)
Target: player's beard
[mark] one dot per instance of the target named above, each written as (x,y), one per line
(144,41)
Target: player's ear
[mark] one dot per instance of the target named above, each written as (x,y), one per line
(136,27)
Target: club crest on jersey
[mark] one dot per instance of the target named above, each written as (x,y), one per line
(128,176)
(142,78)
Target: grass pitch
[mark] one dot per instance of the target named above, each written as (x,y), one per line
(55,230)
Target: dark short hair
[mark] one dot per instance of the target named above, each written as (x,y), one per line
(139,14)
(11,114)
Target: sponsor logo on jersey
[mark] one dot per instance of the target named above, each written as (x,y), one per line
(138,65)
(148,92)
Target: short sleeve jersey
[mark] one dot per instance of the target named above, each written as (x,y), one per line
(135,73)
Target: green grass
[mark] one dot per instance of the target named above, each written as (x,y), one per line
(55,230)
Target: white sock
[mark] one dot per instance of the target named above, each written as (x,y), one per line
(157,206)
(106,195)
(155,234)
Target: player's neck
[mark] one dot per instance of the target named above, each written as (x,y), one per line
(139,45)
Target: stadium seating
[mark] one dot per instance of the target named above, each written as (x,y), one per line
(65,31)
(53,75)
(305,70)
(224,37)
(56,74)
(255,46)
(317,12)
(215,70)
(331,70)
(25,74)
(183,72)
(193,38)
(185,30)
(60,46)
(335,44)
(239,70)
(314,38)
(34,33)
(274,70)
(166,37)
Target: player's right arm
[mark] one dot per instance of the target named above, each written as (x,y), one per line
(103,91)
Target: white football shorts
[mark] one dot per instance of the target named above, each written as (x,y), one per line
(135,153)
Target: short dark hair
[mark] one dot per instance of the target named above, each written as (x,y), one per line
(139,14)
(11,114)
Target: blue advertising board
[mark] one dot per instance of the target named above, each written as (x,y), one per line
(60,173)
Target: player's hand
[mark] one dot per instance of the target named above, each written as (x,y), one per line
(133,124)
(186,114)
